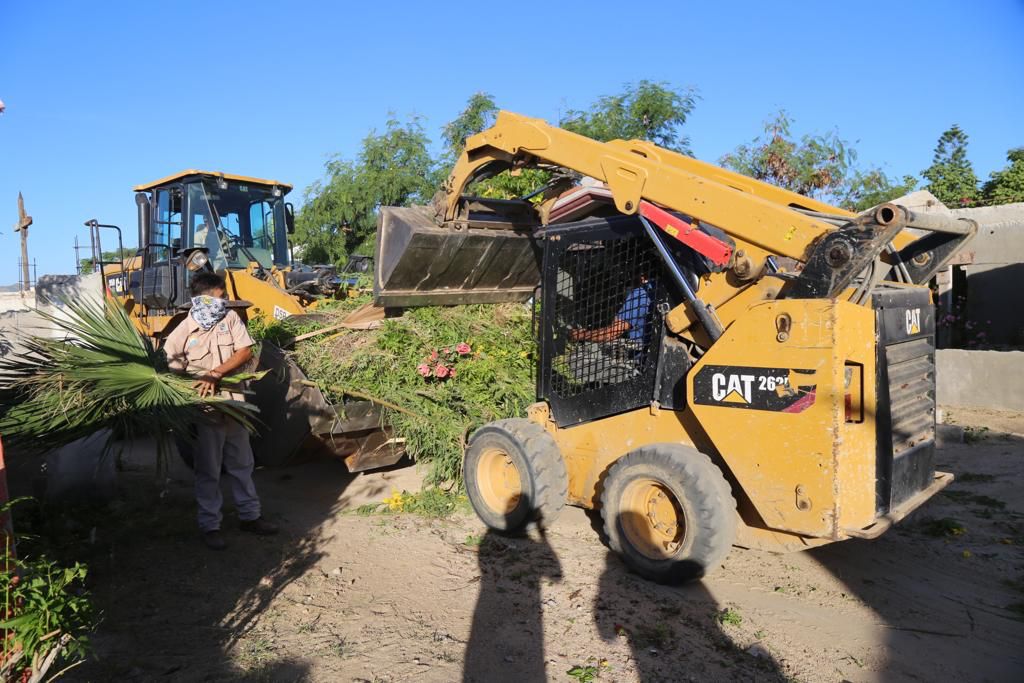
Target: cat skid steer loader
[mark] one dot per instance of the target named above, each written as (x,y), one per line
(721,361)
(238,226)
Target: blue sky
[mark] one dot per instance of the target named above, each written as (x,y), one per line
(101,96)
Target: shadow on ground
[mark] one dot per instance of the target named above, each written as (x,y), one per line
(672,633)
(170,608)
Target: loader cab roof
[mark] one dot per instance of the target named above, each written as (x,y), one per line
(187,174)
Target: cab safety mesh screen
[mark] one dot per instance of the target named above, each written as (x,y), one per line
(601,329)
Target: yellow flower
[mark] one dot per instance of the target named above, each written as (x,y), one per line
(396,501)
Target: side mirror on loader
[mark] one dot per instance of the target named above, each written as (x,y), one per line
(289,218)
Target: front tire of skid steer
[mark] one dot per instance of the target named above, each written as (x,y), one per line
(514,475)
(669,513)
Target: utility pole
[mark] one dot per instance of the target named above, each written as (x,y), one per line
(24,220)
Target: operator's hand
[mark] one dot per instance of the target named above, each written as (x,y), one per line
(207,384)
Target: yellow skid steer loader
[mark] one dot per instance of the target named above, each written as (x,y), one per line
(720,361)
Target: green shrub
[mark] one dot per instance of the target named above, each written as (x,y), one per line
(492,380)
(47,614)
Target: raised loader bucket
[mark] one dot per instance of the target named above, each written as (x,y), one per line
(297,418)
(419,263)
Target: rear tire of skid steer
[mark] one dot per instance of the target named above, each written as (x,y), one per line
(669,513)
(514,475)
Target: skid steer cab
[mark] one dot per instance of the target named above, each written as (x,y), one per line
(721,362)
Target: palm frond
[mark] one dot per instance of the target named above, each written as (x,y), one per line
(98,373)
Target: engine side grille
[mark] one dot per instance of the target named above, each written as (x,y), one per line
(905,416)
(911,368)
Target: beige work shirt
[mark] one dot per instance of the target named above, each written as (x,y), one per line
(195,351)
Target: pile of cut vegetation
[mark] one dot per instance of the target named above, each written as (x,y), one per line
(449,370)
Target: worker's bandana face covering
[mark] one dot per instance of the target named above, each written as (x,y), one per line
(208,310)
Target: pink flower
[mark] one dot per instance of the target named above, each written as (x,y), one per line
(433,355)
(452,373)
(445,351)
(441,371)
(463,348)
(423,369)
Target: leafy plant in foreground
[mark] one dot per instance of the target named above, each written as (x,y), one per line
(101,374)
(46,616)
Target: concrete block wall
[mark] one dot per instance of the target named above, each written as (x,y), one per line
(980,379)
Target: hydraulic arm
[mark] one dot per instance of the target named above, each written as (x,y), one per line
(475,250)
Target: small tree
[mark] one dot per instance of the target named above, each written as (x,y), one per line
(643,111)
(873,187)
(815,165)
(819,166)
(1007,186)
(393,168)
(951,178)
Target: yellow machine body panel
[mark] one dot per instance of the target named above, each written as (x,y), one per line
(590,448)
(809,473)
(792,414)
(266,300)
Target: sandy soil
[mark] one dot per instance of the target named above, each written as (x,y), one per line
(343,597)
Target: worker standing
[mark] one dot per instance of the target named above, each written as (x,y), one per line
(210,343)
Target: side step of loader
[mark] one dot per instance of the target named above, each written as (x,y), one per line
(419,263)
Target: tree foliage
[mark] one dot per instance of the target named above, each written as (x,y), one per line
(951,178)
(1007,186)
(88,265)
(393,168)
(643,111)
(816,166)
(479,115)
(873,187)
(822,167)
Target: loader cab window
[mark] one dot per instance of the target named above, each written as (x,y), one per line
(237,223)
(167,225)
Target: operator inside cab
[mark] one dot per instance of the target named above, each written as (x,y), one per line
(630,322)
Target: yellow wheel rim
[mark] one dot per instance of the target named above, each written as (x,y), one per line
(652,519)
(498,480)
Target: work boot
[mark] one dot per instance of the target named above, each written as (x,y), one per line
(214,540)
(258,526)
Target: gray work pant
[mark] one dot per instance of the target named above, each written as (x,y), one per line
(223,443)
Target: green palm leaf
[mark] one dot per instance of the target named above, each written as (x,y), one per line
(99,373)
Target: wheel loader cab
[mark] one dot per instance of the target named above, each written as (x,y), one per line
(196,220)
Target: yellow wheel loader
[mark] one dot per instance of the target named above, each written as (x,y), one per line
(720,361)
(238,226)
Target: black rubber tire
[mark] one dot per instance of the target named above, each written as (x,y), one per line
(701,493)
(543,480)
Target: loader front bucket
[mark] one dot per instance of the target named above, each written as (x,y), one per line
(296,419)
(419,263)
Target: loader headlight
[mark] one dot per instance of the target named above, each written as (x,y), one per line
(197,260)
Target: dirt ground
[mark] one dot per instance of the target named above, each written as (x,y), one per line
(345,597)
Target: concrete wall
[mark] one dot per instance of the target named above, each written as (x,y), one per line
(993,263)
(980,379)
(19,315)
